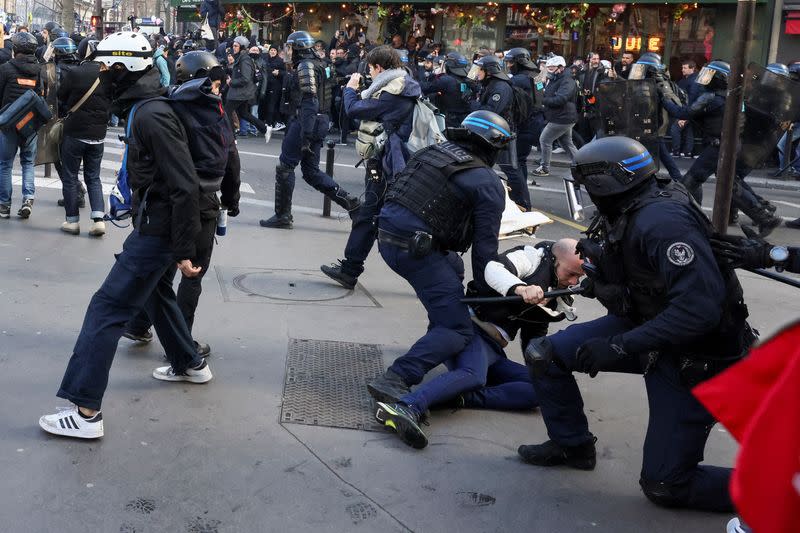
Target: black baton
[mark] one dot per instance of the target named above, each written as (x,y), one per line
(516,298)
(773,276)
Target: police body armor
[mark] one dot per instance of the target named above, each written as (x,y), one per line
(648,294)
(424,188)
(630,108)
(710,122)
(312,76)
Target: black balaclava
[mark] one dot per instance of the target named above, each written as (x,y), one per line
(122,79)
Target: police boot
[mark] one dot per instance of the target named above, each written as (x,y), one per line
(346,201)
(283,201)
(582,457)
(388,388)
(764,219)
(337,273)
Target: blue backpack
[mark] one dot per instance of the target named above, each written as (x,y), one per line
(120,202)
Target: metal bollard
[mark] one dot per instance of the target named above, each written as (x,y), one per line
(47,170)
(329,157)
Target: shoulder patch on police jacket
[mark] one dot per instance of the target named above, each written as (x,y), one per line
(680,254)
(496,97)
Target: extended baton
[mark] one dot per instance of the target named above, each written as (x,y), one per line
(775,276)
(575,289)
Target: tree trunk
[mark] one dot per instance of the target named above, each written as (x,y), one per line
(68,15)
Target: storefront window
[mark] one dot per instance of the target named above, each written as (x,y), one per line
(531,27)
(693,37)
(646,30)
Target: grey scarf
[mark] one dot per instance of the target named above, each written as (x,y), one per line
(382,80)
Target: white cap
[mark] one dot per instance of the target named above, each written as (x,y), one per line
(556,61)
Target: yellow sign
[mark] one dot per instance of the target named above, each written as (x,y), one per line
(634,44)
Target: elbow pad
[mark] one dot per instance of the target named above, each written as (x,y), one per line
(307,78)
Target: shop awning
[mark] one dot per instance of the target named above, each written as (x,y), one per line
(187,3)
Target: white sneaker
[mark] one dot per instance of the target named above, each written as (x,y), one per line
(268,135)
(73,228)
(98,229)
(192,375)
(558,150)
(279,126)
(69,423)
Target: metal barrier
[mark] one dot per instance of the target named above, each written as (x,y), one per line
(329,157)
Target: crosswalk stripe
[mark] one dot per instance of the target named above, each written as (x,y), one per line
(246,188)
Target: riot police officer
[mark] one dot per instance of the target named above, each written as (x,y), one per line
(447,200)
(311,93)
(707,113)
(675,316)
(453,91)
(524,74)
(497,96)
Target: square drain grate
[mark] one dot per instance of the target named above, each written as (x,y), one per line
(326,384)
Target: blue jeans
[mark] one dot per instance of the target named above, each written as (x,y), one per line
(438,283)
(678,426)
(682,138)
(9,143)
(73,152)
(140,278)
(783,160)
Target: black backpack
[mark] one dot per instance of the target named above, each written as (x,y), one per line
(523,105)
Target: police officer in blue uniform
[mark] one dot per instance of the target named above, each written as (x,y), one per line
(706,112)
(311,90)
(447,200)
(497,96)
(390,100)
(523,75)
(675,315)
(452,90)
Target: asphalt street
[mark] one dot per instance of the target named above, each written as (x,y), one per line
(228,457)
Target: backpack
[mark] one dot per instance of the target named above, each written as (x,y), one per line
(427,126)
(120,200)
(258,74)
(370,139)
(522,106)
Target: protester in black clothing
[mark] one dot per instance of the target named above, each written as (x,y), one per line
(242,89)
(623,66)
(589,122)
(274,72)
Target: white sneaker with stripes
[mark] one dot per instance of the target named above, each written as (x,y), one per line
(69,423)
(202,374)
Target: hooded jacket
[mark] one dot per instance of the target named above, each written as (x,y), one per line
(242,88)
(160,165)
(17,76)
(389,100)
(559,99)
(90,121)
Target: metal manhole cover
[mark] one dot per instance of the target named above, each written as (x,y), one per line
(284,286)
(325,384)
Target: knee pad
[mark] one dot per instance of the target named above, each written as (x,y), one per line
(663,494)
(538,355)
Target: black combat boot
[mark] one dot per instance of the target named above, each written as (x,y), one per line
(346,201)
(388,388)
(404,421)
(337,274)
(283,201)
(582,457)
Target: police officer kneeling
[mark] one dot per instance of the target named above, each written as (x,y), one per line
(446,200)
(675,316)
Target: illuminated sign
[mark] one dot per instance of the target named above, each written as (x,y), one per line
(634,44)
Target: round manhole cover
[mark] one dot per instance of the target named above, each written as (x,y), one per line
(290,286)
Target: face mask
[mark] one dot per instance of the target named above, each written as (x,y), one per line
(551,75)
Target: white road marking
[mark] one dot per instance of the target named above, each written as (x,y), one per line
(246,188)
(790,204)
(276,157)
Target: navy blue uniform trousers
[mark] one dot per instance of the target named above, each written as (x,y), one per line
(292,154)
(365,228)
(678,425)
(140,278)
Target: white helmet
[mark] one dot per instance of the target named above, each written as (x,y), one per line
(556,61)
(131,50)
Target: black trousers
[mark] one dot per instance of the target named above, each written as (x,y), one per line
(242,110)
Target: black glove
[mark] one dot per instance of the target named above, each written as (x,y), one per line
(306,148)
(741,252)
(233,211)
(613,297)
(599,354)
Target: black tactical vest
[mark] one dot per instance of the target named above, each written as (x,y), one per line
(325,88)
(648,293)
(425,189)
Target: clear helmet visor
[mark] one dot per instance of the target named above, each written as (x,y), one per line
(473,72)
(638,71)
(705,76)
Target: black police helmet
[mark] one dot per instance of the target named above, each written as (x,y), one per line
(488,128)
(195,64)
(521,57)
(492,66)
(189,46)
(24,43)
(87,47)
(612,166)
(50,26)
(456,63)
(301,40)
(64,47)
(714,75)
(794,71)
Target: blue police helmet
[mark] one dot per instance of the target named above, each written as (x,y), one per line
(456,63)
(490,128)
(612,165)
(403,53)
(778,68)
(301,40)
(64,46)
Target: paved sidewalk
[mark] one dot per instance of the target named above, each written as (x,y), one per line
(222,457)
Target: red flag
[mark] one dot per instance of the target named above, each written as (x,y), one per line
(758,400)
